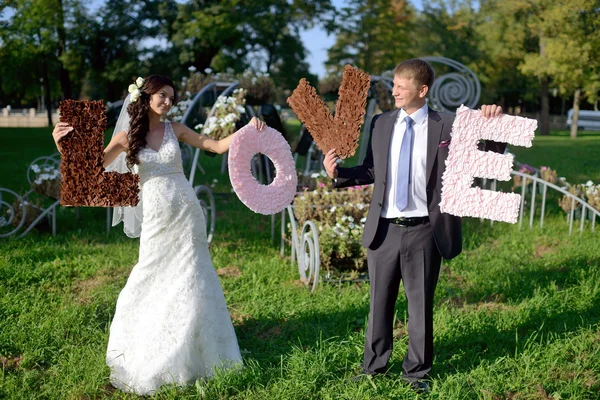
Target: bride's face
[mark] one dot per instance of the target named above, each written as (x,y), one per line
(162,101)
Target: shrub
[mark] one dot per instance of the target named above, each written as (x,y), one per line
(47,181)
(259,87)
(340,216)
(586,191)
(228,111)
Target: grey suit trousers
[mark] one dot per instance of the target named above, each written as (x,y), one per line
(410,255)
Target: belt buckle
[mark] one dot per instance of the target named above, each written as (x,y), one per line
(401,221)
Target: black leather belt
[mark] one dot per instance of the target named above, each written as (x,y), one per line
(401,221)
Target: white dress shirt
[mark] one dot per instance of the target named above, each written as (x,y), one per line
(417,194)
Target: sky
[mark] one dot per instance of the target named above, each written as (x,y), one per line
(317,41)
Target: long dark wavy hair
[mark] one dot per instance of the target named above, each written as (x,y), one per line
(139,124)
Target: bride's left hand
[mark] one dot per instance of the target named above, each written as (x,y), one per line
(257,123)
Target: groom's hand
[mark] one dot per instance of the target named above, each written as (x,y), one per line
(330,163)
(489,111)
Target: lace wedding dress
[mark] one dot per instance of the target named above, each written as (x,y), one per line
(171,324)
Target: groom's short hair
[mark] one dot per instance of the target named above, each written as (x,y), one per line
(416,69)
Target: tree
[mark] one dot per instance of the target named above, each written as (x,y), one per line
(202,28)
(95,56)
(508,30)
(65,47)
(237,35)
(65,80)
(30,36)
(107,50)
(448,28)
(373,35)
(570,55)
(273,36)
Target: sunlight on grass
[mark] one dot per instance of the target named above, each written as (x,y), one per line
(517,314)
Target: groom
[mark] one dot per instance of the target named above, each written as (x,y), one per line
(405,232)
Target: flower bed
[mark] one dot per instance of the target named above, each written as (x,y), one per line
(33,209)
(589,192)
(586,191)
(340,216)
(47,181)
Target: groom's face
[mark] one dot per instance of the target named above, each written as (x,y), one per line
(407,93)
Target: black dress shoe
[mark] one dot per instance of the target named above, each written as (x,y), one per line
(420,386)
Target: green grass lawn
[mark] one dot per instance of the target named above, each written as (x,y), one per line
(517,314)
(578,159)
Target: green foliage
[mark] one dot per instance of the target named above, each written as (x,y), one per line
(519,49)
(238,35)
(25,39)
(260,88)
(273,36)
(329,86)
(373,35)
(340,216)
(450,28)
(103,52)
(553,43)
(569,33)
(202,28)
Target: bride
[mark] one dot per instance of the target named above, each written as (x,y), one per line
(171,324)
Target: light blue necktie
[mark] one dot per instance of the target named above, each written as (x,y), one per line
(404,166)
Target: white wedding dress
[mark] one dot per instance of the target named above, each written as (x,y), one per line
(171,324)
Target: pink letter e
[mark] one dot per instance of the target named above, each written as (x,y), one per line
(465,162)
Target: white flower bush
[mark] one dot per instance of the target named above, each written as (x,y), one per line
(177,112)
(588,191)
(340,216)
(592,194)
(228,110)
(47,180)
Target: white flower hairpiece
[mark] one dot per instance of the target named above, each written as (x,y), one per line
(135,89)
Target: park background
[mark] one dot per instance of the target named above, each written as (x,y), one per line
(517,314)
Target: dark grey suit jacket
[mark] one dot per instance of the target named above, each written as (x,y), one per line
(446,228)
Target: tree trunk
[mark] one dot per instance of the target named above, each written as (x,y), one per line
(204,59)
(47,89)
(575,120)
(65,81)
(545,112)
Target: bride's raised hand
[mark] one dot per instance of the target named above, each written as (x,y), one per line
(257,123)
(61,130)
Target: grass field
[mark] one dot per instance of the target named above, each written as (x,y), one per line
(517,314)
(578,160)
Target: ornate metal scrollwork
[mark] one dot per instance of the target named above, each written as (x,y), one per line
(305,248)
(451,90)
(207,202)
(9,212)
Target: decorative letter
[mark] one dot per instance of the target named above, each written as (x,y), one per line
(465,162)
(84,182)
(263,199)
(342,131)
